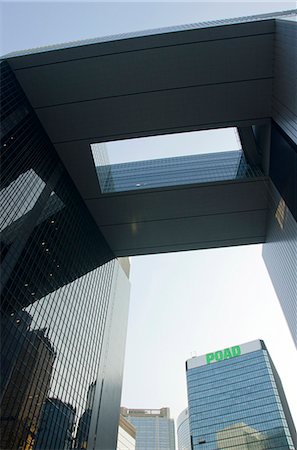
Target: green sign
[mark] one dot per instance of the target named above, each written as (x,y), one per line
(220,355)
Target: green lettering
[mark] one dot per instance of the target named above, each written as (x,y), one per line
(227,353)
(236,350)
(219,355)
(209,357)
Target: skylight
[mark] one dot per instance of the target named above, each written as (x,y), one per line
(166,146)
(170,160)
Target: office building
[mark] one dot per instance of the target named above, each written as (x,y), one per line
(236,400)
(61,231)
(245,197)
(126,435)
(154,428)
(65,298)
(183,431)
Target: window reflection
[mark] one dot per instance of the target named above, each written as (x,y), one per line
(56,275)
(19,197)
(26,366)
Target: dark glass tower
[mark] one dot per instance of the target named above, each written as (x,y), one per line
(64,301)
(82,97)
(236,400)
(64,298)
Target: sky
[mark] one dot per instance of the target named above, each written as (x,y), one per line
(182,304)
(169,145)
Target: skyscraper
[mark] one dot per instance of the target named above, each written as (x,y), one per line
(133,206)
(236,400)
(64,306)
(64,293)
(154,428)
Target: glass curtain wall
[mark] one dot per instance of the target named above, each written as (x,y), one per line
(236,403)
(56,279)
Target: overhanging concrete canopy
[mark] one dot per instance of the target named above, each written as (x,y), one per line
(161,83)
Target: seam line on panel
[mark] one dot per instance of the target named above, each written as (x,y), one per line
(183,217)
(154,91)
(126,51)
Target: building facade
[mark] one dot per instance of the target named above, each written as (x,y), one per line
(154,428)
(175,171)
(183,431)
(236,400)
(65,298)
(126,435)
(186,89)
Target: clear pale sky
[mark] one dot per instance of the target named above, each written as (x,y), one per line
(182,304)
